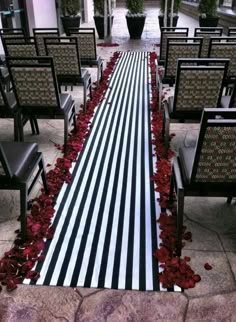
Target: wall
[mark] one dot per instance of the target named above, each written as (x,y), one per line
(88,10)
(41,14)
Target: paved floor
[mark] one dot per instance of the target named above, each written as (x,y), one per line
(211,221)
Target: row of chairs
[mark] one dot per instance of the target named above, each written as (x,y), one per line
(86,43)
(205,33)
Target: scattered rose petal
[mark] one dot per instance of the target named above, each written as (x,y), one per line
(207,266)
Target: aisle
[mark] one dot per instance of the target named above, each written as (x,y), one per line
(106,218)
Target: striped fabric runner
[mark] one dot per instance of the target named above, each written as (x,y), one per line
(105,220)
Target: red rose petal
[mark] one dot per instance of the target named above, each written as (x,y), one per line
(207,266)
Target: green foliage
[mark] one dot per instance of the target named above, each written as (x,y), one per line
(134,6)
(176,6)
(208,8)
(70,7)
(98,7)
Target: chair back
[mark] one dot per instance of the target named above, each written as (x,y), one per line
(65,55)
(187,47)
(40,34)
(12,32)
(170,32)
(24,48)
(199,85)
(206,33)
(232,32)
(223,48)
(34,83)
(215,155)
(87,43)
(5,171)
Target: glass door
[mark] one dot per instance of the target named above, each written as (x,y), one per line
(13,14)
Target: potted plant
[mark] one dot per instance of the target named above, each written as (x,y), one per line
(135,18)
(70,18)
(99,18)
(168,10)
(208,13)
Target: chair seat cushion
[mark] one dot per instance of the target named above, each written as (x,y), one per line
(225,100)
(186,158)
(66,101)
(20,156)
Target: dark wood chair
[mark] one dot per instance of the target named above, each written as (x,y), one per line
(40,34)
(87,49)
(209,169)
(169,32)
(199,85)
(185,47)
(20,46)
(37,93)
(206,33)
(66,58)
(225,47)
(18,163)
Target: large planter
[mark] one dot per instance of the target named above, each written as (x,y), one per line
(208,21)
(69,22)
(135,25)
(99,23)
(161,21)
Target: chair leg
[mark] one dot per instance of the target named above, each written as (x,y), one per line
(229,200)
(66,121)
(171,193)
(166,126)
(23,208)
(74,118)
(36,126)
(85,98)
(16,128)
(32,126)
(43,175)
(180,215)
(90,89)
(20,128)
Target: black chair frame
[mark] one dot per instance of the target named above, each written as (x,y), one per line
(183,187)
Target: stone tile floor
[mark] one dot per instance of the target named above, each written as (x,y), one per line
(211,221)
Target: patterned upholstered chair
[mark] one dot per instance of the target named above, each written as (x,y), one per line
(199,85)
(225,47)
(87,49)
(209,169)
(186,47)
(9,109)
(6,33)
(232,31)
(169,32)
(206,33)
(26,47)
(18,162)
(37,93)
(67,63)
(40,34)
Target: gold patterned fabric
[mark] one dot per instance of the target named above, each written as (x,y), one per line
(39,38)
(218,155)
(40,82)
(198,89)
(87,50)
(225,50)
(65,58)
(175,51)
(166,35)
(25,50)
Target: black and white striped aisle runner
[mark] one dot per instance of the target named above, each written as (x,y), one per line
(105,220)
